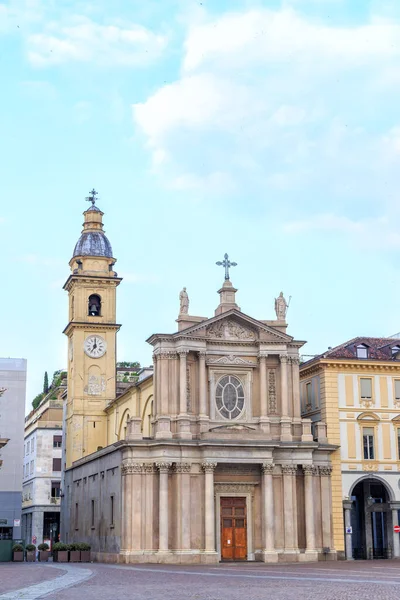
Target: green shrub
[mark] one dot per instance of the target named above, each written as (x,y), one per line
(83,546)
(61,547)
(74,546)
(18,548)
(30,547)
(43,546)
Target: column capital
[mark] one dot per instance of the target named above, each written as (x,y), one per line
(295,360)
(267,467)
(149,468)
(182,467)
(163,467)
(325,470)
(289,469)
(202,354)
(130,468)
(183,352)
(168,355)
(262,355)
(284,358)
(209,467)
(310,470)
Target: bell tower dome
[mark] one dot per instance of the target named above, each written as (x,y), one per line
(91,333)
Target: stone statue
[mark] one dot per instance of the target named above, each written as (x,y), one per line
(281,307)
(184,301)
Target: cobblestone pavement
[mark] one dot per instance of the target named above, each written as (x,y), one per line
(250,581)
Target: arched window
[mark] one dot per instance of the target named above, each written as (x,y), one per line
(94,306)
(362,351)
(395,351)
(229,397)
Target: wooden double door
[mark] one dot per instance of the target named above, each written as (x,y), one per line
(233,529)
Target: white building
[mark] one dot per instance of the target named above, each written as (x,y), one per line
(42,471)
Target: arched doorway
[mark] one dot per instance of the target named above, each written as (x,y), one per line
(371,520)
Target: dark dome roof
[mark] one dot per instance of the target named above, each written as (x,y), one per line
(93,243)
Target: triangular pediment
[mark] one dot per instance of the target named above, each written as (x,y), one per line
(234,326)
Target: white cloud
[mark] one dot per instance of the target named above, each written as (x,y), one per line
(85,41)
(376,233)
(275,100)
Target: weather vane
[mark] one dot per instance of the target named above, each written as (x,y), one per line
(92,197)
(227,264)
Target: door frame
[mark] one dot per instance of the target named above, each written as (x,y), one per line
(249,515)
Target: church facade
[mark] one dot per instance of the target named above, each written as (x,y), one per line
(208,458)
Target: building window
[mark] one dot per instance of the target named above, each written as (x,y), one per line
(397,389)
(55,489)
(398,444)
(308,395)
(57,441)
(229,397)
(362,351)
(366,388)
(31,469)
(395,351)
(56,464)
(368,443)
(76,516)
(92,514)
(28,448)
(112,510)
(32,445)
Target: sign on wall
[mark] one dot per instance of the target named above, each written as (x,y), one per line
(17,522)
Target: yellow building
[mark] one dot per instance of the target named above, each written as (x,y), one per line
(355,389)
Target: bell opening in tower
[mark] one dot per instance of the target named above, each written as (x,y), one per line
(94,305)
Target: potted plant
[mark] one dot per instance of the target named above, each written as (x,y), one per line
(60,552)
(30,552)
(43,552)
(18,553)
(85,551)
(74,553)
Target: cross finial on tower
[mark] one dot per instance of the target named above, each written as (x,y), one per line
(227,264)
(92,197)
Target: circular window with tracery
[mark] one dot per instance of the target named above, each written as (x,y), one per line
(229,397)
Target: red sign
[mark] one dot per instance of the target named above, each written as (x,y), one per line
(396,528)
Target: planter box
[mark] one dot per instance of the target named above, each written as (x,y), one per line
(85,555)
(31,556)
(18,556)
(74,556)
(43,555)
(61,556)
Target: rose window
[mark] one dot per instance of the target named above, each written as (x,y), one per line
(229,397)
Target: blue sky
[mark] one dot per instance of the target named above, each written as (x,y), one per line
(266,129)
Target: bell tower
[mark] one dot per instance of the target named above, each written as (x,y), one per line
(91,333)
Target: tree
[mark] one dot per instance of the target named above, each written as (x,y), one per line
(45,383)
(129,365)
(37,400)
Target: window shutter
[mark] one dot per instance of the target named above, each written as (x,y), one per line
(57,438)
(366,388)
(56,464)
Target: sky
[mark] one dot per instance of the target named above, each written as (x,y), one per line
(267,129)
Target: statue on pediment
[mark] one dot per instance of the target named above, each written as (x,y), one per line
(184,302)
(281,307)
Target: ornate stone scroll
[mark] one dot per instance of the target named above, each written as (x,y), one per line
(230,330)
(209,467)
(289,469)
(132,468)
(182,467)
(272,391)
(325,470)
(163,467)
(310,470)
(267,467)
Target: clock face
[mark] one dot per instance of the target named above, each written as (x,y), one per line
(95,346)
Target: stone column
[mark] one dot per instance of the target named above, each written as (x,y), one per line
(264,420)
(269,552)
(209,508)
(286,433)
(202,384)
(296,388)
(309,472)
(183,420)
(395,506)
(347,504)
(163,467)
(325,474)
(290,518)
(183,518)
(126,523)
(163,419)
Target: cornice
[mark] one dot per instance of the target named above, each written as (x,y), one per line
(88,279)
(349,365)
(94,326)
